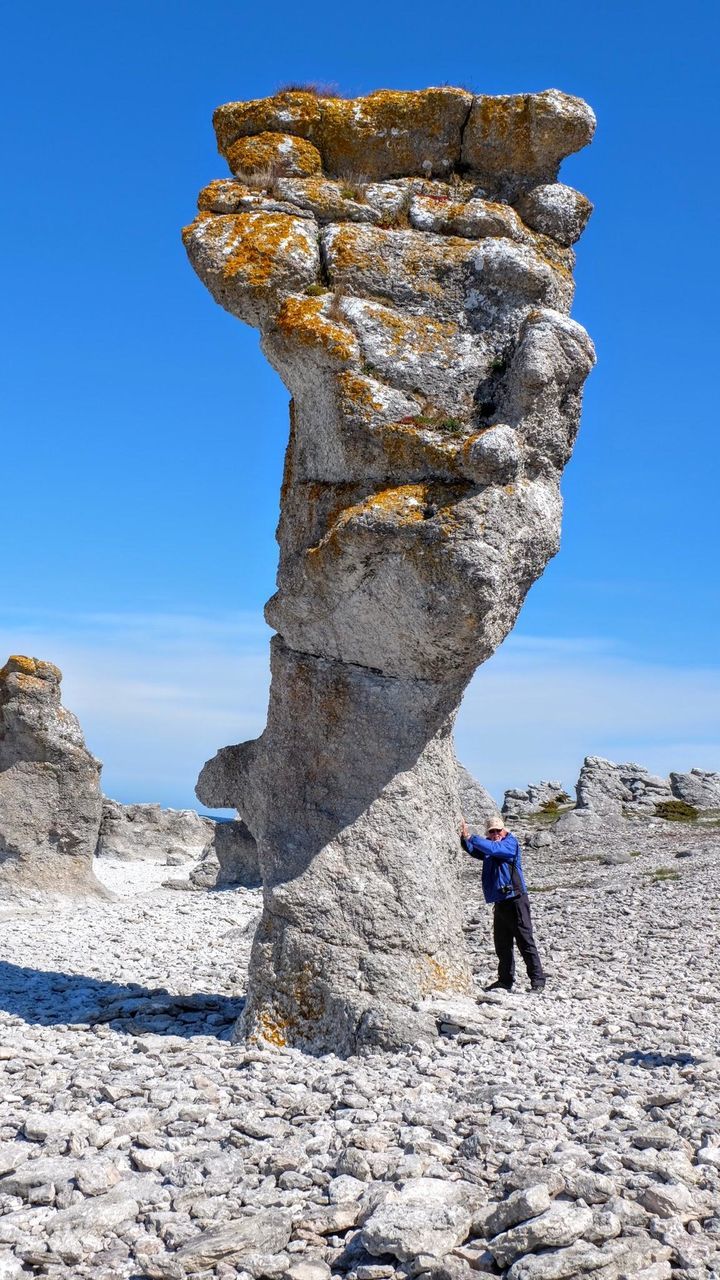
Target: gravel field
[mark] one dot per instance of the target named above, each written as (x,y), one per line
(569,1133)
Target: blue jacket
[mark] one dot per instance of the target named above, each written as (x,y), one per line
(499,858)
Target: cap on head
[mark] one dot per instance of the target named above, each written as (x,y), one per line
(495,824)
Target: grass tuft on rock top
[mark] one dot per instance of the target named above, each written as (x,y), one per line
(664,873)
(676,811)
(317,88)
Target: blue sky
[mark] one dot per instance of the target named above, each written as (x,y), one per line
(145,431)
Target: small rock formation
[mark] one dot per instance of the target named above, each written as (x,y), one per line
(134,832)
(699,788)
(538,797)
(406,258)
(617,789)
(231,859)
(50,798)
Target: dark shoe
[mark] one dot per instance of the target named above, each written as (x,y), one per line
(538,985)
(499,986)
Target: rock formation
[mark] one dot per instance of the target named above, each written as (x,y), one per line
(149,832)
(406,258)
(609,793)
(50,798)
(699,788)
(538,797)
(231,859)
(613,789)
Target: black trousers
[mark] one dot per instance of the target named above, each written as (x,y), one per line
(512,923)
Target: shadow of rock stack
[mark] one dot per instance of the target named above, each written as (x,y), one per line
(407,259)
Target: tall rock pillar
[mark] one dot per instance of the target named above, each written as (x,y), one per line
(407,259)
(50,797)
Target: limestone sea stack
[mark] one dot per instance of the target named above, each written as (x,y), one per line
(406,258)
(50,797)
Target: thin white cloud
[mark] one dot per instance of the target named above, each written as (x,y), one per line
(157,694)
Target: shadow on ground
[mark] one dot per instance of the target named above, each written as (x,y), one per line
(48,998)
(653,1058)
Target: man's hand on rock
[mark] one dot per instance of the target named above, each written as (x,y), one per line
(464,830)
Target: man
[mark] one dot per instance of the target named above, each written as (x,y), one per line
(504,886)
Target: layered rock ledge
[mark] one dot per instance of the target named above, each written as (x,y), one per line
(406,257)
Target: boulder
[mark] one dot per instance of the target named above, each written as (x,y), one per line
(231,859)
(147,832)
(425,1216)
(422,329)
(699,788)
(562,1224)
(50,797)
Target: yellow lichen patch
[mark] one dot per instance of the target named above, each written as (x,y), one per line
(420,334)
(442,975)
(359,392)
(290,112)
(293,1012)
(525,133)
(271,1029)
(256,247)
(407,447)
(405,502)
(371,261)
(22,666)
(403,505)
(274,154)
(222,196)
(304,320)
(393,133)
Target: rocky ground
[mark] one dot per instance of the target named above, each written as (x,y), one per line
(543,1137)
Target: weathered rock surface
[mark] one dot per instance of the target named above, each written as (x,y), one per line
(50,798)
(421,326)
(537,798)
(610,788)
(426,1216)
(130,831)
(699,788)
(232,858)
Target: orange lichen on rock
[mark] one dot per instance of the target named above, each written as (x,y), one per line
(255,247)
(405,503)
(443,976)
(222,196)
(274,154)
(400,505)
(408,447)
(292,1014)
(375,262)
(306,321)
(526,134)
(393,133)
(292,112)
(359,392)
(422,334)
(20,665)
